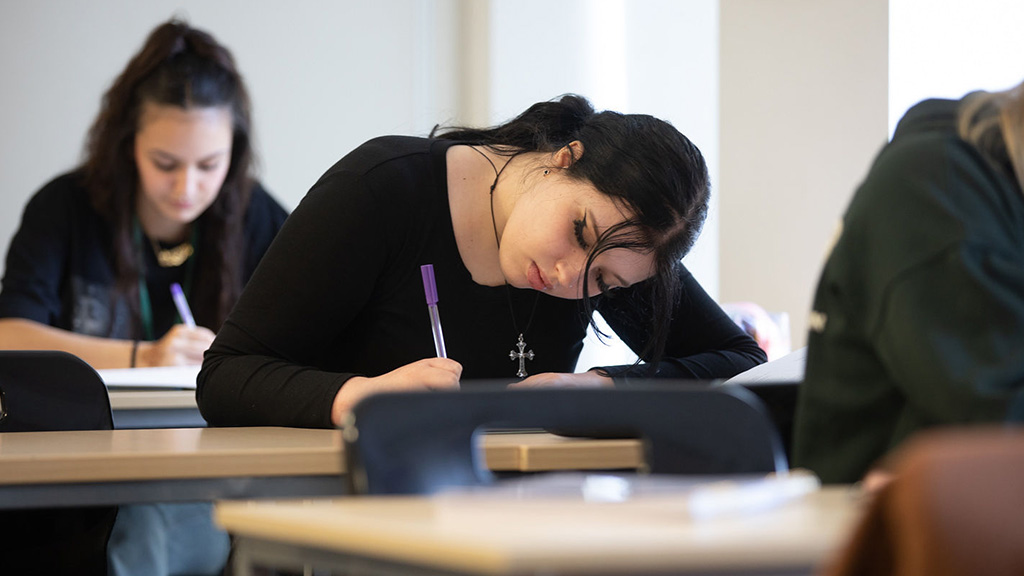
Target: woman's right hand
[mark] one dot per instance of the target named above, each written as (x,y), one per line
(180,346)
(426,374)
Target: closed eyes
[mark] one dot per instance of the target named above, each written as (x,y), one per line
(166,167)
(578,226)
(168,163)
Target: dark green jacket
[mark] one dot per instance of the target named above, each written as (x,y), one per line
(918,318)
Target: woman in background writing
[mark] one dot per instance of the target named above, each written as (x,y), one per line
(164,196)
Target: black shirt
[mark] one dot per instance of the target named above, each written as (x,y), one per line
(60,267)
(340,293)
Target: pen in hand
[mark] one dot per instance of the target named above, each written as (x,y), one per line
(430,287)
(182,305)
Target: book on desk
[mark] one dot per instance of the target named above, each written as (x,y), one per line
(158,397)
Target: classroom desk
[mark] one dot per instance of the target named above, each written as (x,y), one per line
(541,452)
(504,536)
(189,464)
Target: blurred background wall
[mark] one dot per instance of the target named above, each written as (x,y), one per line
(786,98)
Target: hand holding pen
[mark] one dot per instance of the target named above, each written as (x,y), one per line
(183,344)
(434,373)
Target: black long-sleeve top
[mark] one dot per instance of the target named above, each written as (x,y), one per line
(339,293)
(60,265)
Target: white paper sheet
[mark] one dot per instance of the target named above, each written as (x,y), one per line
(181,377)
(789,368)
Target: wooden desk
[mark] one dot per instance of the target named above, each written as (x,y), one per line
(541,452)
(167,465)
(508,537)
(100,467)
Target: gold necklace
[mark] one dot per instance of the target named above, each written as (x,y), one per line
(172,257)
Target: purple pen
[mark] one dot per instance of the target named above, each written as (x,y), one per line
(183,310)
(430,287)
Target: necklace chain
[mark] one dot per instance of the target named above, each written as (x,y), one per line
(521,355)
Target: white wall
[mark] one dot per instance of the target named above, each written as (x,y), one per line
(925,63)
(803,112)
(324,76)
(799,86)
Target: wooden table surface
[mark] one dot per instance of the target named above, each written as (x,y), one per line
(503,535)
(115,455)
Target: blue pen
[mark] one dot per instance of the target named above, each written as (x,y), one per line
(429,286)
(182,305)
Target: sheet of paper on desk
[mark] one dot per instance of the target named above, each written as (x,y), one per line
(699,497)
(789,368)
(175,377)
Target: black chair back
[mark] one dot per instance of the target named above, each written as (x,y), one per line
(417,443)
(50,390)
(46,391)
(779,399)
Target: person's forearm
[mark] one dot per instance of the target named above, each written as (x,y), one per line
(260,390)
(100,353)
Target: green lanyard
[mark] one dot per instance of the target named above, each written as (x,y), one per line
(145,306)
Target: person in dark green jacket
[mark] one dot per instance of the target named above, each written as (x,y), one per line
(918,318)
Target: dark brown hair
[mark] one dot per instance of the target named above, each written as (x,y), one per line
(180,66)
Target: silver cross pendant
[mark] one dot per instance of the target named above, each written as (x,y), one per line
(521,356)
